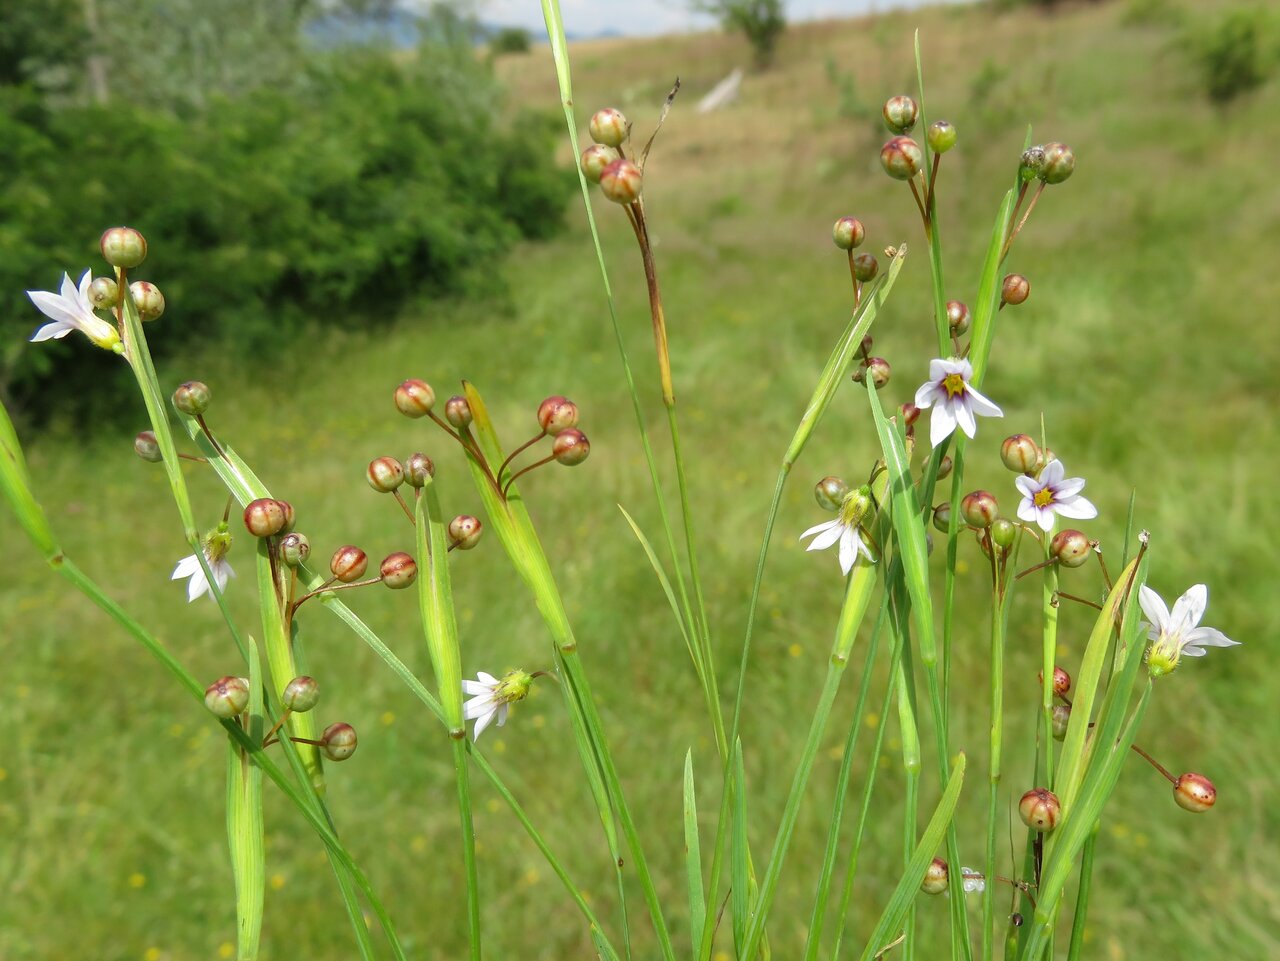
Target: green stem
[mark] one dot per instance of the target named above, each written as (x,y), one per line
(468,844)
(1082,897)
(996,738)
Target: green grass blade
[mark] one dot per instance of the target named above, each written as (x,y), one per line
(909,884)
(665,582)
(245,832)
(693,855)
(15,485)
(984,306)
(739,873)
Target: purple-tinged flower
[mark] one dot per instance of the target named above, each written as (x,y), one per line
(953,399)
(71,309)
(1051,494)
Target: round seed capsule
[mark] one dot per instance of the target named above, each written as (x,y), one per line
(594,159)
(865,267)
(295,548)
(570,447)
(147,447)
(935,877)
(385,474)
(301,694)
(148,299)
(339,741)
(848,233)
(415,398)
(1070,548)
(192,398)
(1015,290)
(264,517)
(979,508)
(348,564)
(1020,453)
(621,181)
(830,493)
(1039,809)
(1194,793)
(557,413)
(227,696)
(398,570)
(608,127)
(464,531)
(900,113)
(901,158)
(458,412)
(123,247)
(417,468)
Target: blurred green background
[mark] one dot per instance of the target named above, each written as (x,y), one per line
(1147,345)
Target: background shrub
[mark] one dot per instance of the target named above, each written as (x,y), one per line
(1232,53)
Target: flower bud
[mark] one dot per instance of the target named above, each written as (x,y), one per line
(227,696)
(339,741)
(608,127)
(877,367)
(1003,533)
(384,474)
(146,447)
(848,233)
(945,467)
(957,317)
(148,299)
(901,158)
(1061,718)
(464,531)
(1032,163)
(557,413)
(264,517)
(1020,453)
(398,570)
(458,412)
(935,877)
(865,267)
(415,398)
(301,694)
(123,247)
(942,135)
(1061,681)
(103,293)
(594,159)
(417,469)
(1194,793)
(979,508)
(910,413)
(830,493)
(192,398)
(621,181)
(900,113)
(348,563)
(295,548)
(1015,290)
(1039,809)
(1070,548)
(1059,163)
(570,447)
(942,517)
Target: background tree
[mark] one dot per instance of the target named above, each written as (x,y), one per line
(762,22)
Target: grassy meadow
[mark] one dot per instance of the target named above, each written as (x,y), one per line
(1147,345)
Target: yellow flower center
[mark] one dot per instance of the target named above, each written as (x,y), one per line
(1043,498)
(513,687)
(1164,654)
(856,506)
(953,384)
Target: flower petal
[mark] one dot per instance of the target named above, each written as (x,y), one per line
(185,567)
(819,528)
(1044,517)
(475,687)
(54,331)
(483,722)
(981,404)
(1153,606)
(1026,485)
(1202,637)
(848,550)
(1052,474)
(477,706)
(1077,508)
(502,713)
(928,394)
(964,415)
(1027,510)
(51,305)
(939,368)
(1189,608)
(942,424)
(1068,488)
(197,586)
(487,678)
(827,537)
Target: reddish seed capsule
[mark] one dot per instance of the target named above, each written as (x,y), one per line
(295,548)
(1015,290)
(458,412)
(621,181)
(935,877)
(848,233)
(570,447)
(557,413)
(288,515)
(910,413)
(1194,793)
(348,563)
(1070,548)
(865,267)
(339,741)
(123,247)
(464,531)
(1020,453)
(1040,809)
(301,694)
(147,447)
(608,127)
(192,398)
(1061,681)
(398,570)
(942,517)
(1059,163)
(979,508)
(227,696)
(415,398)
(901,158)
(104,293)
(877,367)
(957,316)
(830,493)
(417,468)
(900,113)
(594,159)
(264,517)
(945,466)
(1061,718)
(385,474)
(148,299)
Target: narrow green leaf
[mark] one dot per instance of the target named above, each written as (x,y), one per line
(245,832)
(15,484)
(435,601)
(663,580)
(984,305)
(693,855)
(739,873)
(909,884)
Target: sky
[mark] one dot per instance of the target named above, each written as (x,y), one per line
(642,17)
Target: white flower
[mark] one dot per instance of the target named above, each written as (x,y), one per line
(215,547)
(845,530)
(71,310)
(1052,494)
(493,698)
(973,881)
(953,399)
(1178,633)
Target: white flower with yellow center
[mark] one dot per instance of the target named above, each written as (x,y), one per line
(493,697)
(953,399)
(845,530)
(71,310)
(1052,493)
(215,547)
(1176,633)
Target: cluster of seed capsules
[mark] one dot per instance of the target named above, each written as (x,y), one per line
(605,161)
(228,697)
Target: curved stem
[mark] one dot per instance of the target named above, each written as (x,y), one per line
(523,447)
(520,473)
